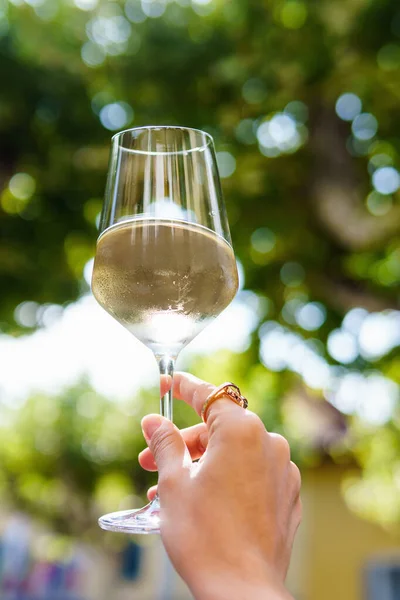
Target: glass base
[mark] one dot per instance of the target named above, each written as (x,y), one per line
(144,520)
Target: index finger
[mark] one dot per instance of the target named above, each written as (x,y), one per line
(192,390)
(165,384)
(195,391)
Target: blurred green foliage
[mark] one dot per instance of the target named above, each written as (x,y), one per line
(68,458)
(312,198)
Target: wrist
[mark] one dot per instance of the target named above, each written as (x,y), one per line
(239,587)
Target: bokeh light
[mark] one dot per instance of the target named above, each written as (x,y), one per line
(347,394)
(22,186)
(379,399)
(282,129)
(34,3)
(379,160)
(25,314)
(116,115)
(378,204)
(281,349)
(275,346)
(357,147)
(364,126)
(354,320)
(291,308)
(372,397)
(389,57)
(86,4)
(342,346)
(101,99)
(92,54)
(263,240)
(386,180)
(348,106)
(298,110)
(153,8)
(292,274)
(202,7)
(311,316)
(379,334)
(280,134)
(293,14)
(110,32)
(226,164)
(134,12)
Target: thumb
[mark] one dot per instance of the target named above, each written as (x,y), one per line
(166,444)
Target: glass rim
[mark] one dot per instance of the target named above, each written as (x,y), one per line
(120,134)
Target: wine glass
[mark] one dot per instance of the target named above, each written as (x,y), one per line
(164,265)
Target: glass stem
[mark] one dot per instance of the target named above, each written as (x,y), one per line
(166,366)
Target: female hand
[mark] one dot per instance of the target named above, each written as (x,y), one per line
(228,521)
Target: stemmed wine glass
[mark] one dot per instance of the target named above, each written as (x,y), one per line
(164,265)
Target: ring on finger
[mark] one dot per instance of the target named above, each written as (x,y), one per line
(226,390)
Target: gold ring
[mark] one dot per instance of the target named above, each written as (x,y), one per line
(227,390)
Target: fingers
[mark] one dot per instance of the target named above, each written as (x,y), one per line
(195,438)
(195,391)
(295,485)
(281,446)
(295,478)
(295,521)
(152,492)
(192,390)
(165,384)
(167,446)
(282,457)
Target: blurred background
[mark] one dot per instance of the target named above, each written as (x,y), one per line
(302,99)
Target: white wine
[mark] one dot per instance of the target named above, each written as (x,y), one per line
(163,279)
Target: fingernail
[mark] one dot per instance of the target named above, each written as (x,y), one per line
(150,424)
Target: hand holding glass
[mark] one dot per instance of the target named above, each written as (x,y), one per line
(164,265)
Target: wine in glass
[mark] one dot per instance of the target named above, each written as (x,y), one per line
(164,265)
